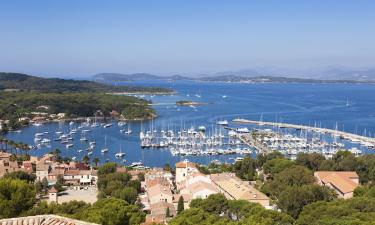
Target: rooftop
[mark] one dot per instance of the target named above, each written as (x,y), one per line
(44,220)
(342,180)
(238,189)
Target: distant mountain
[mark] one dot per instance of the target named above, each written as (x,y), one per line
(117,77)
(33,83)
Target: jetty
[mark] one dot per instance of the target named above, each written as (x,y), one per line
(367,141)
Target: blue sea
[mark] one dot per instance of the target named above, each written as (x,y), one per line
(350,106)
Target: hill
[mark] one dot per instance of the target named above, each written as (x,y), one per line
(33,83)
(118,77)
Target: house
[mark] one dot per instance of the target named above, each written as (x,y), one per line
(235,188)
(72,177)
(343,182)
(42,170)
(159,193)
(199,189)
(183,169)
(7,166)
(158,212)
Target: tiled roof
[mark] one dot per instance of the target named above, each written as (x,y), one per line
(43,220)
(184,164)
(341,180)
(238,189)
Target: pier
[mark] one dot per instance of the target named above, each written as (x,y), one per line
(367,141)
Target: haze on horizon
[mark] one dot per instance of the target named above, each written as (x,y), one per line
(73,38)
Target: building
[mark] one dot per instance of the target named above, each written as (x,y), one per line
(159,212)
(7,166)
(52,193)
(183,169)
(42,170)
(199,189)
(343,182)
(159,193)
(234,188)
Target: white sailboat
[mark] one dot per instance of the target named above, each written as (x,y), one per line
(105,149)
(129,131)
(347,102)
(120,154)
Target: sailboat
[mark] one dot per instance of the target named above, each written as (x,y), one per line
(129,131)
(120,154)
(347,102)
(105,149)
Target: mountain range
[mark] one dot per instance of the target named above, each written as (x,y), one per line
(264,75)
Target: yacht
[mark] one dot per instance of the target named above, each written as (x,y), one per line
(37,124)
(222,122)
(135,164)
(120,124)
(243,130)
(107,125)
(69,145)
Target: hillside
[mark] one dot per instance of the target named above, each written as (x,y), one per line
(117,77)
(33,83)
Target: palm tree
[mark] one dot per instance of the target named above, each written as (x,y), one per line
(86,159)
(96,161)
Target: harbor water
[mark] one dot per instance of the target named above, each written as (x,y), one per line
(347,107)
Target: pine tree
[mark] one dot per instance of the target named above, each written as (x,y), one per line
(180,206)
(167,213)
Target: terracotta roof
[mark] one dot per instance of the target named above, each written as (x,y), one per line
(158,189)
(53,190)
(238,189)
(176,197)
(341,180)
(200,185)
(44,220)
(160,208)
(184,164)
(72,172)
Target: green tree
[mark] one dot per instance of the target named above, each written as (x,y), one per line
(129,194)
(96,160)
(245,169)
(112,212)
(16,197)
(167,213)
(107,168)
(294,198)
(45,184)
(86,159)
(180,205)
(28,177)
(276,165)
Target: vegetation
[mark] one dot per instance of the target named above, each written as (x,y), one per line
(118,185)
(18,198)
(32,83)
(14,105)
(216,209)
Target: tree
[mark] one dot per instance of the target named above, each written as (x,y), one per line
(129,194)
(112,212)
(141,177)
(28,177)
(59,183)
(16,197)
(86,159)
(96,160)
(45,184)
(180,205)
(292,176)
(167,167)
(167,213)
(357,210)
(276,165)
(245,169)
(294,198)
(38,187)
(216,204)
(107,168)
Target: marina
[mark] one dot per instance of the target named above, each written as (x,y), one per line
(223,139)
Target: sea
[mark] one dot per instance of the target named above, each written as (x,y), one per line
(346,107)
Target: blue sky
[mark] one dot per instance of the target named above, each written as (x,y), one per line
(84,37)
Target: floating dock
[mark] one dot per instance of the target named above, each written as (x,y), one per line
(367,141)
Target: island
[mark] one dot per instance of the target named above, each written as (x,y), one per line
(28,100)
(188,103)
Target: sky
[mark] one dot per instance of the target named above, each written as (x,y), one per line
(85,37)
